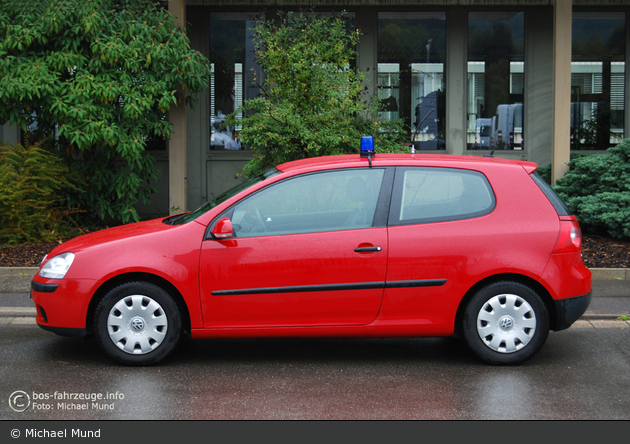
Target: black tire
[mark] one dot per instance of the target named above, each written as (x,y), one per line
(138,323)
(506,323)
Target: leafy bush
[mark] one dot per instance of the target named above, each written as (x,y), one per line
(545,173)
(312,101)
(99,77)
(597,189)
(32,181)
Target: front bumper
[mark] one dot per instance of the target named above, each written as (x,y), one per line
(569,310)
(63,331)
(62,305)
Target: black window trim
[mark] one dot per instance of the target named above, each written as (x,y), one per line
(561,207)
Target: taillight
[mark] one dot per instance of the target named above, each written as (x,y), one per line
(570,239)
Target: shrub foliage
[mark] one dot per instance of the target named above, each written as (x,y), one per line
(31,182)
(597,189)
(311,103)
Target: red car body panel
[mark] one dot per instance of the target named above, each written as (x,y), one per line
(442,260)
(297,260)
(152,247)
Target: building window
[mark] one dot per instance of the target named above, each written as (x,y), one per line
(495,80)
(233,70)
(411,53)
(597,80)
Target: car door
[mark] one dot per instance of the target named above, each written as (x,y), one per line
(438,236)
(309,250)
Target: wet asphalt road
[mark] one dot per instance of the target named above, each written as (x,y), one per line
(581,373)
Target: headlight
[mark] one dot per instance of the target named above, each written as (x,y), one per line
(57,267)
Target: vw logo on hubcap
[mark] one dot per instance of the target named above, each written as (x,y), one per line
(137,324)
(506,323)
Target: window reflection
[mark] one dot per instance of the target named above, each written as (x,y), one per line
(411,52)
(233,70)
(597,79)
(495,80)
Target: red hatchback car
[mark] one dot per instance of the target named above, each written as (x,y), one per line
(395,245)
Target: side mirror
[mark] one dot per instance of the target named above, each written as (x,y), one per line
(223,229)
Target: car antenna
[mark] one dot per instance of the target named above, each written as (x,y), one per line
(490,155)
(415,133)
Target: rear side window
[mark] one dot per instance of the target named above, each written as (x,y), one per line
(556,201)
(424,195)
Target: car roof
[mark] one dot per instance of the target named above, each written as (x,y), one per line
(381,159)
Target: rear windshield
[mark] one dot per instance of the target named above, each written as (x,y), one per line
(561,208)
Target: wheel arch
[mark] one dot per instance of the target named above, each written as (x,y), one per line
(131,277)
(505,277)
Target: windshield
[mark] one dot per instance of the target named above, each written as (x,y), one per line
(223,197)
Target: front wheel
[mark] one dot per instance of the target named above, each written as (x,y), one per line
(138,323)
(506,323)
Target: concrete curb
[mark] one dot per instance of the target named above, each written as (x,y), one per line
(598,273)
(18,271)
(18,311)
(621,274)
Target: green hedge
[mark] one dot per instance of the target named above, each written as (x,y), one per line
(597,189)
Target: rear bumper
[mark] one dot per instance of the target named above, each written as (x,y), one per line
(569,310)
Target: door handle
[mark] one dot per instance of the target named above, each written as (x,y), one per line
(367,249)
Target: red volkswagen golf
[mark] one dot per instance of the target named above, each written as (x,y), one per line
(404,245)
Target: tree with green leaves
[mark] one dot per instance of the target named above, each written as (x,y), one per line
(313,100)
(98,77)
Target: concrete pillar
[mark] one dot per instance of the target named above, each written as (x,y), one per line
(10,133)
(456,75)
(537,131)
(177,170)
(367,22)
(561,122)
(198,119)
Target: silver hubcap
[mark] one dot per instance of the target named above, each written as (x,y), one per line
(506,323)
(137,324)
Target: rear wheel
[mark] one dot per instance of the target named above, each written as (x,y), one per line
(506,323)
(138,323)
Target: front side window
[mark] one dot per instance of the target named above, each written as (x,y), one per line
(203,209)
(496,70)
(327,201)
(440,194)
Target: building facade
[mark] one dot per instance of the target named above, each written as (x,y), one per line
(527,79)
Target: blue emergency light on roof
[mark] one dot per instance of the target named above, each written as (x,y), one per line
(367,146)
